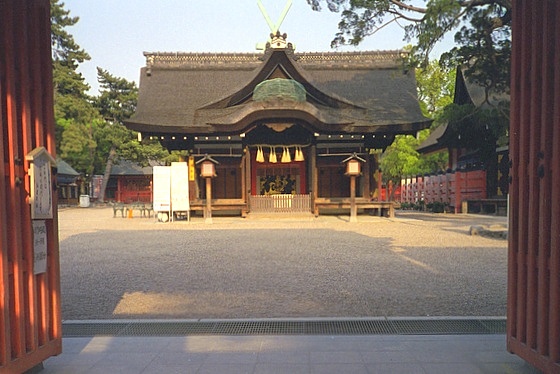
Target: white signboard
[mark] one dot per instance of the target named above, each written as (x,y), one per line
(180,187)
(39,247)
(40,198)
(162,188)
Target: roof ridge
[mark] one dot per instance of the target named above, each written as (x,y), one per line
(197,58)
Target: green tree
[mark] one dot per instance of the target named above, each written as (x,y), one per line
(73,108)
(116,103)
(482,31)
(436,85)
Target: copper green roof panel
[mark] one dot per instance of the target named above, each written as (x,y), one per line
(279,88)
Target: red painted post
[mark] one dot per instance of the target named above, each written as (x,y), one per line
(533,330)
(30,321)
(458,186)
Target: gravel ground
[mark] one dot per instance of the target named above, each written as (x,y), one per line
(413,265)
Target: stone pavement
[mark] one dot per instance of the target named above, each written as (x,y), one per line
(469,354)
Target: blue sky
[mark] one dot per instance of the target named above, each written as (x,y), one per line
(116,33)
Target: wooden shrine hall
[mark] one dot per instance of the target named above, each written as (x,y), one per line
(279,123)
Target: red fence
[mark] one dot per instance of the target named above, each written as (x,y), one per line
(450,189)
(30,321)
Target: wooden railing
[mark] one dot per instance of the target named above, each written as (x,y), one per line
(282,203)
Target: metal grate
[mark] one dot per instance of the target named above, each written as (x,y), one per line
(287,327)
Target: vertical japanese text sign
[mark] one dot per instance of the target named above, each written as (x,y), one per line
(162,188)
(40,198)
(180,187)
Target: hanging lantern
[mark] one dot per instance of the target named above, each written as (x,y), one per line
(286,155)
(260,154)
(299,154)
(272,157)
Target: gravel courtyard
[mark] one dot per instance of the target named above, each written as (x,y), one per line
(413,265)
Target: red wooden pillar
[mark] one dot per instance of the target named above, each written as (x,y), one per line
(379,185)
(30,321)
(458,191)
(534,242)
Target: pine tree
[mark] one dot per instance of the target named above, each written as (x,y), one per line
(74,111)
(116,103)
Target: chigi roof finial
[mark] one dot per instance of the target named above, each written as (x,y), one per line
(277,40)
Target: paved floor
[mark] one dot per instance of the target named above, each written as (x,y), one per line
(454,354)
(457,354)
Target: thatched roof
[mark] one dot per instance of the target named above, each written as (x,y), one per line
(351,92)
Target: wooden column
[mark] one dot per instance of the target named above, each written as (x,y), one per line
(533,330)
(314,178)
(30,320)
(367,177)
(353,208)
(208,209)
(380,185)
(244,174)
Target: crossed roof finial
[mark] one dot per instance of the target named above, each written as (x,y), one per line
(274,27)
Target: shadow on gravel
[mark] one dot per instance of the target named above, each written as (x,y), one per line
(258,273)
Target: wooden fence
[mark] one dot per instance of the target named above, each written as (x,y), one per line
(30,320)
(281,203)
(451,189)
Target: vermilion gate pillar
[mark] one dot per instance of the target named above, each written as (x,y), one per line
(30,320)
(534,243)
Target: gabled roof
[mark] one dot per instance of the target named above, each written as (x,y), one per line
(431,143)
(63,168)
(125,167)
(469,92)
(65,174)
(356,92)
(466,92)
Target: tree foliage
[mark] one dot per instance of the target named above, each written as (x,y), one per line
(482,31)
(436,86)
(89,130)
(116,103)
(73,108)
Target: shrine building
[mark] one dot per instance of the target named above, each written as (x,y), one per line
(279,123)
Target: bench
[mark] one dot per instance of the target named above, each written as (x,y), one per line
(144,209)
(221,205)
(148,210)
(381,207)
(119,207)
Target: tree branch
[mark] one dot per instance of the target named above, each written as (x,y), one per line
(474,3)
(400,15)
(402,5)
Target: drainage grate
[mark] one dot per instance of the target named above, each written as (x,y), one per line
(455,326)
(431,327)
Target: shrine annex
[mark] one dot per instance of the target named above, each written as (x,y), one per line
(279,123)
